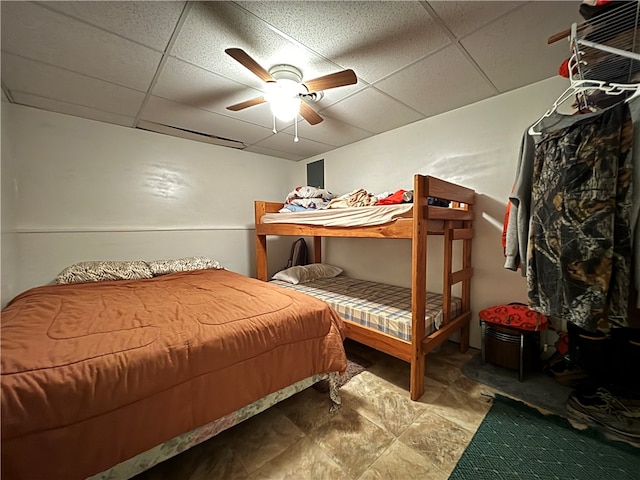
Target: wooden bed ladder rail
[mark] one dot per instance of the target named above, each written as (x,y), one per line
(462,201)
(451,278)
(467,240)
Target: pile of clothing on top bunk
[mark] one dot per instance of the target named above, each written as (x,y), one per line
(310,198)
(306,198)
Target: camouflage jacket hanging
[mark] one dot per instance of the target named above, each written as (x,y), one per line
(578,264)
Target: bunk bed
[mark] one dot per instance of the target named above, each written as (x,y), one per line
(454,223)
(105,379)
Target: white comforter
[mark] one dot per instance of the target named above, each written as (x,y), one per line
(344,217)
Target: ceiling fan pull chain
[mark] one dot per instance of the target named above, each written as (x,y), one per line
(274,125)
(296,139)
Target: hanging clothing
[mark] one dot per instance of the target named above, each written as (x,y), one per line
(517,234)
(578,265)
(505,229)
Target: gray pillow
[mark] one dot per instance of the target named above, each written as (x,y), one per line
(307,273)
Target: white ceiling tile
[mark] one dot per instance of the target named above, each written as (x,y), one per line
(40,34)
(71,109)
(513,50)
(464,17)
(28,76)
(373,111)
(186,83)
(353,33)
(150,23)
(273,153)
(210,28)
(330,131)
(444,81)
(178,115)
(283,142)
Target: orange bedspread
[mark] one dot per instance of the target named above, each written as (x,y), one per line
(96,373)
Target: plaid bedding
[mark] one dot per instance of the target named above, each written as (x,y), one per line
(383,307)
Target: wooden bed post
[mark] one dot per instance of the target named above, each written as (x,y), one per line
(447,267)
(466,286)
(418,283)
(317,249)
(261,244)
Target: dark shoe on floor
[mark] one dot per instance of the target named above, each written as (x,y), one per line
(565,372)
(602,407)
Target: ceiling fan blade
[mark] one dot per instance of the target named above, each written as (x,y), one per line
(309,114)
(249,63)
(246,104)
(333,80)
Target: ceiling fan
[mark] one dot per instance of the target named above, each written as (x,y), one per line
(285,91)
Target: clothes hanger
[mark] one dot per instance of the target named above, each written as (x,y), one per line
(578,87)
(635,95)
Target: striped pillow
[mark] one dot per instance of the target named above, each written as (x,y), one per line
(98,271)
(163,267)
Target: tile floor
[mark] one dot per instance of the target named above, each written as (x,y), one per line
(378,433)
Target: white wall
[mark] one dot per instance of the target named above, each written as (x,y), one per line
(476,146)
(92,191)
(8,243)
(88,190)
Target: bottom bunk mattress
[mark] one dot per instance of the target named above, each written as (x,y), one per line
(382,307)
(96,373)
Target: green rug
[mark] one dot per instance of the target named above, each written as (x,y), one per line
(515,441)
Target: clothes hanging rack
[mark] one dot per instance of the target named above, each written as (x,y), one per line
(607,45)
(604,58)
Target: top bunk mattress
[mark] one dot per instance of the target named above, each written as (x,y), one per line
(386,308)
(344,217)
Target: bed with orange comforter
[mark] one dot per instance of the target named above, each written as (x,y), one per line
(94,374)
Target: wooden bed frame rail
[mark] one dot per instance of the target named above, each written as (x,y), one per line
(454,223)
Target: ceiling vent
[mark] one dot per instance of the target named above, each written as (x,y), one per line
(190,134)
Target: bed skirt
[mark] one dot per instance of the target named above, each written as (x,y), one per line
(160,453)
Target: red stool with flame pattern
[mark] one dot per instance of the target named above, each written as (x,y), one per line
(511,335)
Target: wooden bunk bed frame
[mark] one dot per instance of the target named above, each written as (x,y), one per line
(454,223)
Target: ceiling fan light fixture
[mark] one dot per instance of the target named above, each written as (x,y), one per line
(286,110)
(288,106)
(284,98)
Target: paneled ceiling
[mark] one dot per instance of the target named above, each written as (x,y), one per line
(161,66)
